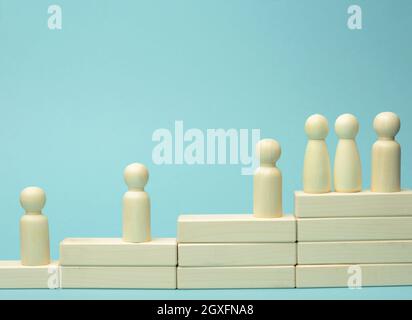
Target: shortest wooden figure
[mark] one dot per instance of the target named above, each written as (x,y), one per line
(267,190)
(34,228)
(136,205)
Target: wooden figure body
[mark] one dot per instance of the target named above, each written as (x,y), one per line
(386,154)
(136,205)
(316,168)
(34,228)
(347,168)
(267,192)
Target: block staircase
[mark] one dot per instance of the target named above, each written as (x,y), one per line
(330,238)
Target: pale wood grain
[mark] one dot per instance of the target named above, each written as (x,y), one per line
(236,228)
(236,277)
(361,204)
(119,277)
(236,254)
(13,275)
(323,276)
(347,229)
(348,252)
(116,252)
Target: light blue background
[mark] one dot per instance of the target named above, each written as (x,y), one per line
(78,105)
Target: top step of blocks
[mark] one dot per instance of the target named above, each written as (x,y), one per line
(361,204)
(235,228)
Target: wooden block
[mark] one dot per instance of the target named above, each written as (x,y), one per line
(236,254)
(115,252)
(324,276)
(235,277)
(347,229)
(13,275)
(348,252)
(235,228)
(119,277)
(362,204)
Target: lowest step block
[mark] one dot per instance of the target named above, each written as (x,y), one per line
(235,228)
(361,204)
(13,275)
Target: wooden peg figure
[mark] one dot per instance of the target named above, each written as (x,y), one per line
(347,168)
(34,228)
(386,154)
(316,168)
(267,192)
(136,205)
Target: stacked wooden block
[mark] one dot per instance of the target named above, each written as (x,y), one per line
(135,261)
(14,275)
(113,263)
(338,230)
(236,251)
